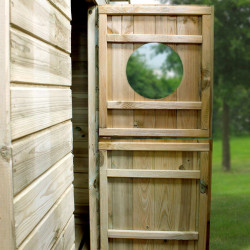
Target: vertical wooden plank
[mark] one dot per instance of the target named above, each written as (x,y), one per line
(103,70)
(143,190)
(122,197)
(203,210)
(120,87)
(189,87)
(206,72)
(166,118)
(93,172)
(209,190)
(104,199)
(7,235)
(188,91)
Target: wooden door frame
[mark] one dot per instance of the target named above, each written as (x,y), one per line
(7,238)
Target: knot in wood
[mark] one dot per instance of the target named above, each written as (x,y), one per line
(5,153)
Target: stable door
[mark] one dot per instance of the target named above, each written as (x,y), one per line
(155,96)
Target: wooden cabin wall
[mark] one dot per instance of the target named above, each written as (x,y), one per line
(80,113)
(41,127)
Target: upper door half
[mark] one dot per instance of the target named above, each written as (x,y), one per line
(126,107)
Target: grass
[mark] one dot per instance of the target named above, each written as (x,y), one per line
(230,214)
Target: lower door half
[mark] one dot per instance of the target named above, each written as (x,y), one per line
(155,194)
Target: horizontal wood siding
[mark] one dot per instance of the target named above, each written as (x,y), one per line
(33,61)
(33,109)
(66,240)
(43,20)
(35,201)
(55,227)
(64,6)
(41,130)
(35,154)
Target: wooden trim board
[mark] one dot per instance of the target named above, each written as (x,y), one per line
(156,38)
(92,124)
(155,235)
(156,146)
(154,10)
(162,174)
(153,132)
(153,105)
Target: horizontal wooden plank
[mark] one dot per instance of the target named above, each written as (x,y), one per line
(81,180)
(153,235)
(80,115)
(81,196)
(81,165)
(80,149)
(34,202)
(154,146)
(57,223)
(149,38)
(67,237)
(170,174)
(43,20)
(153,132)
(33,61)
(82,210)
(33,109)
(154,10)
(153,105)
(33,155)
(64,6)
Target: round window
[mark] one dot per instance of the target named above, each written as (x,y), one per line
(154,70)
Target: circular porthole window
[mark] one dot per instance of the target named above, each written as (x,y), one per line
(154,70)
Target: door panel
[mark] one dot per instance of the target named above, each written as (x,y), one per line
(154,193)
(151,190)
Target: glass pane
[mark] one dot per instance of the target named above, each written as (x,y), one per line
(154,70)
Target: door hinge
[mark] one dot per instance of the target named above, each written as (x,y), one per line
(203,187)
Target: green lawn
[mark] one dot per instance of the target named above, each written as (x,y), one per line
(230,215)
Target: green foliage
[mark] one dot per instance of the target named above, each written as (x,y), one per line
(146,82)
(232,60)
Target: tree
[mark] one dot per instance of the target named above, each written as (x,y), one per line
(232,57)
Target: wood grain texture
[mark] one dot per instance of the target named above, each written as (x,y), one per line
(81,198)
(35,154)
(92,135)
(154,10)
(56,229)
(33,109)
(141,197)
(64,6)
(7,231)
(102,70)
(152,105)
(171,174)
(154,146)
(153,132)
(33,61)
(34,202)
(143,38)
(104,200)
(140,234)
(203,209)
(66,239)
(43,20)
(207,74)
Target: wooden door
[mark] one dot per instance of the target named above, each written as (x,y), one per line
(155,154)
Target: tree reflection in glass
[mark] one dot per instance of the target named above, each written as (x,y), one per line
(154,70)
